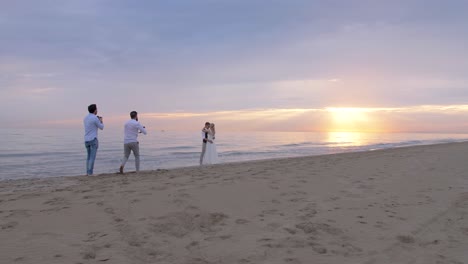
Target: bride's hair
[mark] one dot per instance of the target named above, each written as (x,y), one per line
(213,128)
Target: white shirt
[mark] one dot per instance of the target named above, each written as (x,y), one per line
(132,127)
(91,124)
(203,134)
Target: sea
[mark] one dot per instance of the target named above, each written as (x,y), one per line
(40,153)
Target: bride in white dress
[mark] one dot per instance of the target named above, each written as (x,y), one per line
(211,154)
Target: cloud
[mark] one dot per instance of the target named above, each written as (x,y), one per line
(38,75)
(421,118)
(28,95)
(214,56)
(40,91)
(429,118)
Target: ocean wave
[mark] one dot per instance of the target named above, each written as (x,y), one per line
(242,153)
(304,144)
(38,154)
(177,148)
(296,144)
(182,153)
(409,143)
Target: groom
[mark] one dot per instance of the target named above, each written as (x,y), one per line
(204,134)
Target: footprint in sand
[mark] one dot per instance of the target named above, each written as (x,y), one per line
(136,243)
(308,211)
(54,209)
(316,228)
(346,249)
(19,259)
(181,198)
(83,191)
(291,231)
(9,225)
(192,245)
(158,188)
(269,212)
(109,210)
(381,225)
(318,248)
(118,219)
(275,201)
(127,192)
(406,239)
(218,238)
(180,224)
(19,213)
(350,194)
(273,226)
(92,196)
(242,221)
(292,260)
(28,196)
(56,201)
(93,236)
(89,254)
(134,201)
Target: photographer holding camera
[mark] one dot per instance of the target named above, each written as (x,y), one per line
(132,128)
(92,123)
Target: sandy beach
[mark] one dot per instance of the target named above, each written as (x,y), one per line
(405,205)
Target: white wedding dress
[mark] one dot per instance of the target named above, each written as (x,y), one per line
(211,154)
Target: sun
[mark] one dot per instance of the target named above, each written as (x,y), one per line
(343,119)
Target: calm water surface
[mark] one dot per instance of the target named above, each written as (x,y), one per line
(33,153)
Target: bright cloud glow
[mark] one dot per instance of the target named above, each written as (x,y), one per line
(350,119)
(42,90)
(336,120)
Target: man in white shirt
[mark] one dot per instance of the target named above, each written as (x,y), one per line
(132,128)
(92,123)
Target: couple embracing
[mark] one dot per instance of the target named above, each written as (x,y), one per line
(209,154)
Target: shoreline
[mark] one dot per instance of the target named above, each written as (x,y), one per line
(233,162)
(399,205)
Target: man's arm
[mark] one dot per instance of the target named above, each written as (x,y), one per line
(142,128)
(99,123)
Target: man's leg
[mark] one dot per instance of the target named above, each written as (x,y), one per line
(202,153)
(93,147)
(127,149)
(136,153)
(88,155)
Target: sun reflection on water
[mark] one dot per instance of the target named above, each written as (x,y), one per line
(345,139)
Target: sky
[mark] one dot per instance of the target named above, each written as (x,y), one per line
(290,65)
